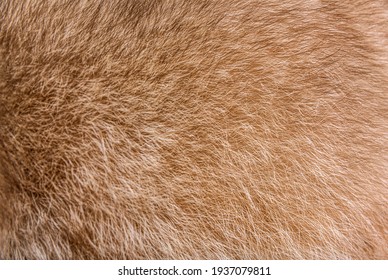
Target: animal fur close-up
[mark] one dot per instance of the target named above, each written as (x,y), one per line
(228,129)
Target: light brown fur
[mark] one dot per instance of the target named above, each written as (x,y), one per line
(193,129)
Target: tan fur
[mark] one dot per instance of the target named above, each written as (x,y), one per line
(193,129)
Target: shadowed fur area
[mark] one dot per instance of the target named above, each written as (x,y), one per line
(176,129)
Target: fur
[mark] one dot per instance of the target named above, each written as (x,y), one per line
(193,129)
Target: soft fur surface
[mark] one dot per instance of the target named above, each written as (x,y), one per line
(193,129)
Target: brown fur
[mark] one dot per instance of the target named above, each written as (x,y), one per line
(193,129)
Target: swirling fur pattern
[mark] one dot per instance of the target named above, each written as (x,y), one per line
(193,129)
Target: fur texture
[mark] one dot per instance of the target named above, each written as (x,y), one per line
(193,129)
